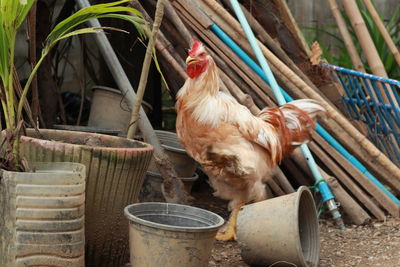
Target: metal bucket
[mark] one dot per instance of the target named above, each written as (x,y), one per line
(282,231)
(170,235)
(184,165)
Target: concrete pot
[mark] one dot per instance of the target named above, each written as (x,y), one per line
(42,216)
(184,165)
(110,111)
(281,231)
(170,235)
(115,171)
(88,129)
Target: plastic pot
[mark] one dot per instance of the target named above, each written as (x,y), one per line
(170,235)
(42,216)
(115,171)
(281,231)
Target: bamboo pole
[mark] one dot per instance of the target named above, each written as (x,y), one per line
(377,155)
(275,187)
(145,69)
(264,37)
(292,25)
(296,172)
(176,20)
(162,43)
(348,41)
(367,45)
(383,30)
(242,97)
(283,181)
(171,59)
(276,48)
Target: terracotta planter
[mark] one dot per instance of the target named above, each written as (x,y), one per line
(115,170)
(42,216)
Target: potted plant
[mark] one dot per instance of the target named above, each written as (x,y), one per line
(110,180)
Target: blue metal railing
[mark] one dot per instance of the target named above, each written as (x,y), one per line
(364,101)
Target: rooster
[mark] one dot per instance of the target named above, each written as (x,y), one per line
(237,150)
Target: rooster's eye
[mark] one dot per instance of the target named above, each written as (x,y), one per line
(202,54)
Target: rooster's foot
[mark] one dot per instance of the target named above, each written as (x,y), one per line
(230,228)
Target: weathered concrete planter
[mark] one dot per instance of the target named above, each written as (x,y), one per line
(171,235)
(42,216)
(184,165)
(281,231)
(109,110)
(115,170)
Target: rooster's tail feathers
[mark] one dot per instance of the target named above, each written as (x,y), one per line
(293,122)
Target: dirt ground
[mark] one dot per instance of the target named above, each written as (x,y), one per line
(375,244)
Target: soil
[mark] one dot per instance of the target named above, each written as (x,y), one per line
(375,244)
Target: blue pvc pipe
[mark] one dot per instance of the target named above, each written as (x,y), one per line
(362,74)
(329,138)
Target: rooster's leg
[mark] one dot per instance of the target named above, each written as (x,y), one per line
(230,228)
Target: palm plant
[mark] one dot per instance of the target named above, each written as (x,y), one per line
(12,15)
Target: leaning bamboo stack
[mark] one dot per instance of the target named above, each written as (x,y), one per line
(360,198)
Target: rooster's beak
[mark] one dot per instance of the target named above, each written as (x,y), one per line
(190,60)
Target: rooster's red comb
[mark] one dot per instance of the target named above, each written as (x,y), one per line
(195,47)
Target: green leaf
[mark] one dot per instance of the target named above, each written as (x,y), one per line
(159,69)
